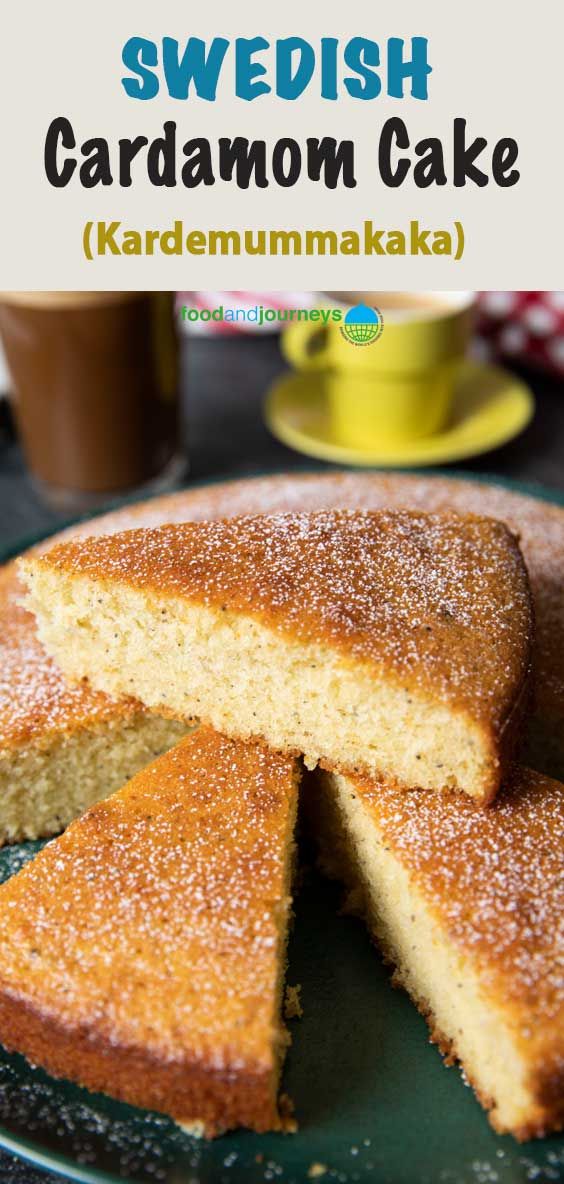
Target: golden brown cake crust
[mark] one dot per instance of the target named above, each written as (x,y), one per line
(440,602)
(140,952)
(36,702)
(495,880)
(539,525)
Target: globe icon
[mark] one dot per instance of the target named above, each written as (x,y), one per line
(362,325)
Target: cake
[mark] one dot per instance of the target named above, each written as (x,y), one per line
(393,643)
(538,524)
(466,904)
(62,748)
(42,717)
(142,953)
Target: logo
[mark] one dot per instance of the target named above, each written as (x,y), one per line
(258,315)
(362,325)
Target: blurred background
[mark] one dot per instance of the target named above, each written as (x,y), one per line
(105,397)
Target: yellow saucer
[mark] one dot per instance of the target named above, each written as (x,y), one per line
(490,407)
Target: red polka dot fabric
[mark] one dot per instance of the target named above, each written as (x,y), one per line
(526,327)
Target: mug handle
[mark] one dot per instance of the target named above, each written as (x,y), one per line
(304,346)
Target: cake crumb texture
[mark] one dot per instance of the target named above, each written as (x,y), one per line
(397,643)
(467,905)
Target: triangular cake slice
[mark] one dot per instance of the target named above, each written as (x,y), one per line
(468,905)
(62,747)
(392,643)
(142,953)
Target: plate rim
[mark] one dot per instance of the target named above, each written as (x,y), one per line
(26,1150)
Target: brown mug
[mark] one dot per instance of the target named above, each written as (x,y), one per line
(95,391)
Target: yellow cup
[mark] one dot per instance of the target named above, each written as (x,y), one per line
(399,387)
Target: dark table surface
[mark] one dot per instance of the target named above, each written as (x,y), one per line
(224,384)
(225,380)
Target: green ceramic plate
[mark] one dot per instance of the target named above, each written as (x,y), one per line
(373,1098)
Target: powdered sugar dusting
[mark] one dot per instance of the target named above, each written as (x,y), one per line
(539,525)
(496,877)
(442,601)
(33,697)
(141,1146)
(152,923)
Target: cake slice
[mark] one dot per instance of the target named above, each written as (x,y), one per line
(468,906)
(62,747)
(142,953)
(391,643)
(538,524)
